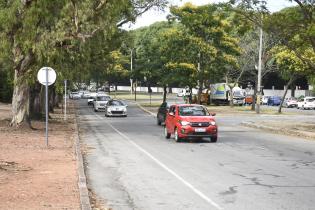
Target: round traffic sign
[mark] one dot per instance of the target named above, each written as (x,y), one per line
(46,74)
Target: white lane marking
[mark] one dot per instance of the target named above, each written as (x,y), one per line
(195,190)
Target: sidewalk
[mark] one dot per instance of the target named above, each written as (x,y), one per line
(33,176)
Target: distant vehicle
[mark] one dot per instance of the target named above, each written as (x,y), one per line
(109,89)
(274,101)
(91,98)
(81,92)
(183,92)
(100,102)
(190,121)
(248,100)
(306,103)
(74,95)
(86,94)
(264,100)
(290,102)
(162,112)
(220,94)
(116,108)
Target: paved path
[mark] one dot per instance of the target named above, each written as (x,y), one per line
(132,166)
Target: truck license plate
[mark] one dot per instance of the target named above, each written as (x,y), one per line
(200,130)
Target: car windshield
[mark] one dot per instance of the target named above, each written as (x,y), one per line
(116,103)
(193,111)
(310,99)
(103,98)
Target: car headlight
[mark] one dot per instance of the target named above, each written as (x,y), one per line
(184,123)
(212,123)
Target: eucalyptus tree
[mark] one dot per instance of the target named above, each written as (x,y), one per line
(33,32)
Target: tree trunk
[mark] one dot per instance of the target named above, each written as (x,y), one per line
(51,98)
(20,101)
(164,93)
(254,100)
(35,105)
(21,94)
(231,97)
(285,92)
(200,90)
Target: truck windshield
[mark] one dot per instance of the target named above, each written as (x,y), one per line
(193,111)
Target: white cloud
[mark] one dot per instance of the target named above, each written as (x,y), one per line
(153,16)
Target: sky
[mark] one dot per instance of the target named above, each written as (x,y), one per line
(153,16)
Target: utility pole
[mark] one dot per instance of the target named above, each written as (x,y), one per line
(200,76)
(259,70)
(131,60)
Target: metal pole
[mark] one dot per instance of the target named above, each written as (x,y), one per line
(46,106)
(136,91)
(259,71)
(131,82)
(65,116)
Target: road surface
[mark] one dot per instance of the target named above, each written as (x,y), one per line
(130,165)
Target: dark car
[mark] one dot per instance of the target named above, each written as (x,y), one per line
(163,110)
(274,101)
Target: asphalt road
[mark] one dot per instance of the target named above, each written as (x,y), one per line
(130,165)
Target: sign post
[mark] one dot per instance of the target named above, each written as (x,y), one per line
(46,76)
(65,116)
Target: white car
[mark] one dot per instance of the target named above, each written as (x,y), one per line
(86,94)
(74,95)
(264,100)
(116,108)
(290,102)
(306,103)
(100,102)
(91,98)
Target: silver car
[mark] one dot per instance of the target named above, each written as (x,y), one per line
(116,108)
(100,102)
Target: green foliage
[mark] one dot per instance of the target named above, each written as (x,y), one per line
(289,64)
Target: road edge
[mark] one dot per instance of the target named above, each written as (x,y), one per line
(142,108)
(276,130)
(83,190)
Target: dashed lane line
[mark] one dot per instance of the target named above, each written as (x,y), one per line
(178,177)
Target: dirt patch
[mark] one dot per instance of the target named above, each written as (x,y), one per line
(33,176)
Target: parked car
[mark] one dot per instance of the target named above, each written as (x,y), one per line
(264,100)
(74,95)
(116,108)
(306,103)
(290,102)
(190,121)
(100,102)
(162,112)
(248,100)
(274,101)
(109,89)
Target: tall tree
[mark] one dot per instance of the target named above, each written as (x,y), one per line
(32,33)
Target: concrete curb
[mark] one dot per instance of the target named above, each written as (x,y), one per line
(145,110)
(279,130)
(84,193)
